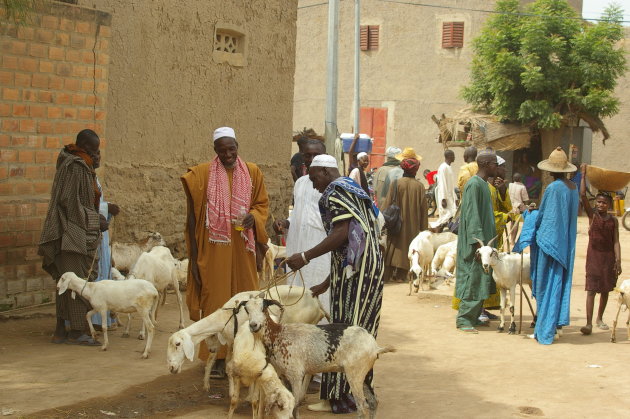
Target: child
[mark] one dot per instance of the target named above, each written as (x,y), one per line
(603,257)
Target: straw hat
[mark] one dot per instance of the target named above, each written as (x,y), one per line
(558,162)
(408,153)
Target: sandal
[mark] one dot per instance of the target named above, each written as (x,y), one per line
(470,330)
(84,340)
(586,330)
(602,326)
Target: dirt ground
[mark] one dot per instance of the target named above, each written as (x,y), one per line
(437,372)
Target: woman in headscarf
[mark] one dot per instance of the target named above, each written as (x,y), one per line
(408,195)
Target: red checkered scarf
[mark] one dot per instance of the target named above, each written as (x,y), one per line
(222,208)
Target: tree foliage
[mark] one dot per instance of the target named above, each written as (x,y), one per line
(544,66)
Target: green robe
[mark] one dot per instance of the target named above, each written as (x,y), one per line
(476,222)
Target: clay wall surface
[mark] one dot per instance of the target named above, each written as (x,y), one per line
(169,89)
(53,83)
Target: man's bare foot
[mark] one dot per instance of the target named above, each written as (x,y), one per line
(586,330)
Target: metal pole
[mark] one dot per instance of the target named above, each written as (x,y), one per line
(357,63)
(331,77)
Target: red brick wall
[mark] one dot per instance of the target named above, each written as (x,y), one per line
(53,83)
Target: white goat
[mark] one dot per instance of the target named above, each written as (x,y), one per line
(274,252)
(125,255)
(158,267)
(116,275)
(218,327)
(420,254)
(133,295)
(443,263)
(246,366)
(506,273)
(622,301)
(298,351)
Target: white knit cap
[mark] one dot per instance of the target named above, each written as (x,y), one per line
(392,152)
(500,160)
(361,155)
(223,132)
(324,160)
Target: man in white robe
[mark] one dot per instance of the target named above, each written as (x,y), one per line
(304,225)
(445,191)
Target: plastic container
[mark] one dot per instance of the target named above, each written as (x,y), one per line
(363,145)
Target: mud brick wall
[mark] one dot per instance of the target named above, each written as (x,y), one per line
(53,83)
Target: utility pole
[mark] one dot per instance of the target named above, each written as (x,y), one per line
(331,76)
(357,64)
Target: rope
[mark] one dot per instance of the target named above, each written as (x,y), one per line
(87,279)
(278,278)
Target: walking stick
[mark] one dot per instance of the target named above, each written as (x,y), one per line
(520,315)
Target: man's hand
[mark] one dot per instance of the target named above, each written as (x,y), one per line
(280,226)
(444,203)
(113,209)
(499,182)
(248,221)
(320,288)
(295,261)
(104,225)
(583,168)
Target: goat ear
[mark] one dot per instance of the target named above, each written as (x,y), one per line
(73,295)
(189,347)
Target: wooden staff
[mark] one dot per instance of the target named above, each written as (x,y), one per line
(520,315)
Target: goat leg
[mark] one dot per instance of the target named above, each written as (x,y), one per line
(512,329)
(613,335)
(501,327)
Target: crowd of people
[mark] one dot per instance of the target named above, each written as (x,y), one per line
(334,236)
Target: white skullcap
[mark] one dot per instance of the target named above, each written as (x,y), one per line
(500,160)
(361,155)
(392,152)
(223,132)
(324,160)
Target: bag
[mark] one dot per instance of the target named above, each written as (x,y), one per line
(393,219)
(453,224)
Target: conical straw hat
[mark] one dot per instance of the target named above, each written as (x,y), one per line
(558,162)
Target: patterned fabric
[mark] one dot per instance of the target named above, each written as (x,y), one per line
(223,206)
(356,283)
(410,166)
(77,151)
(75,309)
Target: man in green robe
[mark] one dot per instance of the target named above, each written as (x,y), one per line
(473,284)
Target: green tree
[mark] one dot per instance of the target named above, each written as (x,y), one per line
(545,67)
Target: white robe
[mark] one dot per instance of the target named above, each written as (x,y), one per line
(305,232)
(445,190)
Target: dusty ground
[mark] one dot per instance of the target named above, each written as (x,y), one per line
(437,372)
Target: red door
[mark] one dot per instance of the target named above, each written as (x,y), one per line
(374,123)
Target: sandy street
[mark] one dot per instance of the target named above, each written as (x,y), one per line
(437,372)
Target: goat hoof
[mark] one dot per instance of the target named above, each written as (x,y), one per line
(140,337)
(104,349)
(125,335)
(500,329)
(145,356)
(613,340)
(511,332)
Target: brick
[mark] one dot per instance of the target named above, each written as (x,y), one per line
(101,87)
(17,172)
(102,59)
(7,210)
(22,80)
(55,83)
(103,45)
(78,99)
(74,56)
(14,225)
(100,115)
(29,95)
(88,57)
(11,125)
(40,81)
(6,189)
(83,27)
(62,39)
(55,53)
(7,78)
(70,113)
(10,94)
(50,22)
(42,157)
(86,114)
(5,109)
(20,110)
(24,210)
(15,286)
(28,64)
(63,99)
(31,141)
(4,173)
(46,67)
(27,125)
(77,41)
(42,187)
(45,127)
(8,156)
(105,31)
(53,142)
(23,300)
(79,70)
(44,96)
(25,32)
(34,284)
(63,128)
(10,62)
(37,111)
(33,172)
(38,50)
(18,47)
(3,260)
(7,240)
(26,156)
(72,84)
(92,100)
(35,224)
(66,24)
(41,208)
(23,188)
(100,73)
(87,85)
(54,112)
(64,69)
(45,36)
(4,140)
(30,253)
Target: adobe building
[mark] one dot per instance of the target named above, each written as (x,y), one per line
(415,60)
(153,79)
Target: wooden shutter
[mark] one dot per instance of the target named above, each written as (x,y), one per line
(364,38)
(373,32)
(452,34)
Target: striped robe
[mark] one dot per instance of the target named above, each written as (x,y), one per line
(356,277)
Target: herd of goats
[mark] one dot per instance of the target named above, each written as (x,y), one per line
(272,335)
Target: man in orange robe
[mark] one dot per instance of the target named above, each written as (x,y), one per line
(227,207)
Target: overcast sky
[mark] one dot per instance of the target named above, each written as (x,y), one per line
(594,8)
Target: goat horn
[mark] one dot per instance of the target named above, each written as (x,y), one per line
(479,241)
(492,240)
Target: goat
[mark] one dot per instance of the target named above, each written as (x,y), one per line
(299,350)
(443,263)
(622,301)
(274,252)
(506,273)
(420,254)
(132,295)
(125,255)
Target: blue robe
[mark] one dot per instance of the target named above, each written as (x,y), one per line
(552,259)
(104,254)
